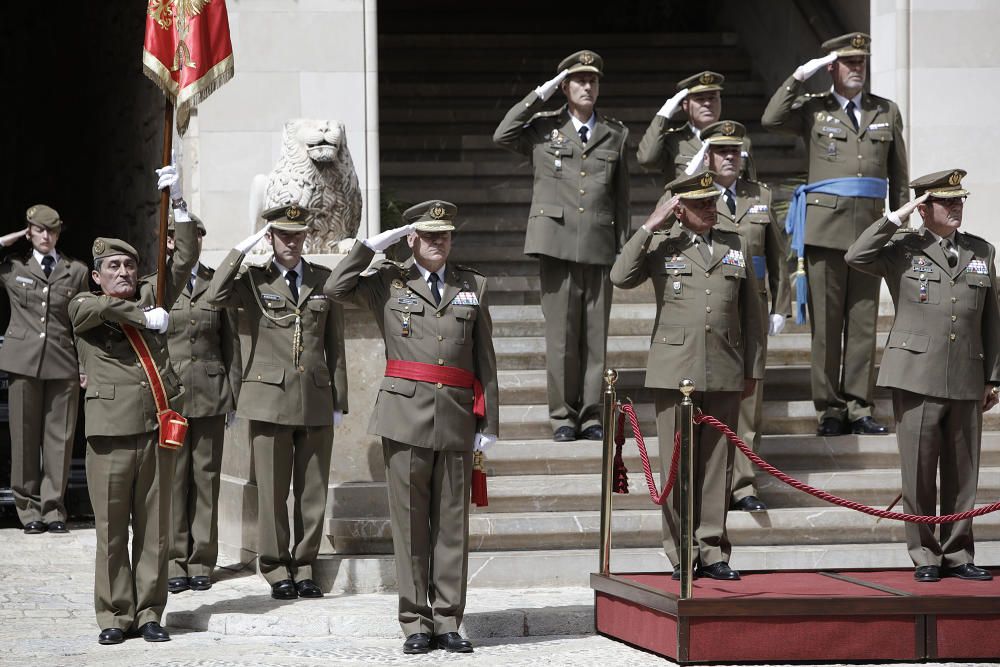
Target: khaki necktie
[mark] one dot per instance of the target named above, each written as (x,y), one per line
(703,248)
(950,252)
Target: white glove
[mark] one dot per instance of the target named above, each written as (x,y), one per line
(383,240)
(338,417)
(697,161)
(546,90)
(805,71)
(901,214)
(777,325)
(157,319)
(670,106)
(249,242)
(167,177)
(483,442)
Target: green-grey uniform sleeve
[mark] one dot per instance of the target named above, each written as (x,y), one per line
(991,326)
(629,269)
(897,169)
(88,311)
(336,359)
(623,212)
(779,115)
(486,365)
(346,285)
(866,254)
(754,327)
(653,153)
(183,260)
(222,291)
(514,133)
(232,357)
(776,255)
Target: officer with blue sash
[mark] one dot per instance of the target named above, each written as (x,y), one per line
(857,157)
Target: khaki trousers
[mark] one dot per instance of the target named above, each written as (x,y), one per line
(130,478)
(429,496)
(42,425)
(285,457)
(713,462)
(843,308)
(751,411)
(194,544)
(932,433)
(576,304)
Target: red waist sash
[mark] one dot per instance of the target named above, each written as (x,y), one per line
(449,375)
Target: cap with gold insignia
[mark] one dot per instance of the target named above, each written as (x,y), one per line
(701,82)
(582,61)
(288,217)
(697,186)
(43,216)
(435,215)
(105,247)
(172,224)
(941,184)
(724,133)
(851,44)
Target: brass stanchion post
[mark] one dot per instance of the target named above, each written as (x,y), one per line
(686,481)
(607,469)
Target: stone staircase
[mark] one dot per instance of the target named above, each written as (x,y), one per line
(439,108)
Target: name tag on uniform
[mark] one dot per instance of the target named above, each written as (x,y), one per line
(465,299)
(25,280)
(406,300)
(921,265)
(317,297)
(757,208)
(674,264)
(877,126)
(734,258)
(977,266)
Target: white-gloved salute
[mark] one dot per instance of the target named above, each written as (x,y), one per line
(383,240)
(670,106)
(803,72)
(546,90)
(249,242)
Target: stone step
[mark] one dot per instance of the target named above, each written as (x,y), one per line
(556,42)
(434,92)
(484,142)
(372,573)
(627,64)
(643,528)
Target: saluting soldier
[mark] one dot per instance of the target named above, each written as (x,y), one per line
(40,360)
(436,405)
(578,222)
(942,362)
(204,350)
(856,156)
(129,474)
(709,328)
(293,392)
(673,139)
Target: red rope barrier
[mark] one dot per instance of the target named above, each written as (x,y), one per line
(658,498)
(830,498)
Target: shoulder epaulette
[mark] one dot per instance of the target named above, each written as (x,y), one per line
(318,267)
(463,267)
(545,114)
(613,121)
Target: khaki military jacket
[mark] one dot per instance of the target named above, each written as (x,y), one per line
(457,333)
(945,338)
(39,338)
(837,150)
(709,320)
(668,146)
(763,242)
(204,350)
(274,388)
(580,202)
(118,398)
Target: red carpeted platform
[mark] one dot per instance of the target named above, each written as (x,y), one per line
(863,615)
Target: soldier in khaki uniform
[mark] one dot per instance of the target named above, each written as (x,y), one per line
(855,140)
(942,361)
(670,144)
(578,222)
(293,391)
(204,350)
(40,360)
(128,474)
(710,328)
(435,321)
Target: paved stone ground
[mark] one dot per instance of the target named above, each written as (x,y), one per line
(47,620)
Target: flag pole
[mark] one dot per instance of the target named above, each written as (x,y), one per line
(161,263)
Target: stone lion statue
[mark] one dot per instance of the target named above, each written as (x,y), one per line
(316,171)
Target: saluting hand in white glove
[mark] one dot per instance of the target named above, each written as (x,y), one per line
(383,240)
(249,242)
(670,106)
(806,70)
(546,90)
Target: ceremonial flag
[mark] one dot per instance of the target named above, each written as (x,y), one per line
(187,51)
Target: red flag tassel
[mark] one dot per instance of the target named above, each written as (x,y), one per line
(620,483)
(479,497)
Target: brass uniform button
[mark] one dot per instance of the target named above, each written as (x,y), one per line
(708,327)
(439,385)
(440,337)
(951,336)
(440,362)
(708,291)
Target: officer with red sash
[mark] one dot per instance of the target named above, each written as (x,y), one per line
(436,406)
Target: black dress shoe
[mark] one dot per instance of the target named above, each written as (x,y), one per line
(200,583)
(58,527)
(453,643)
(564,434)
(178,584)
(721,571)
(284,590)
(749,504)
(111,636)
(927,573)
(307,588)
(830,426)
(868,426)
(417,643)
(676,574)
(154,632)
(592,433)
(34,528)
(968,571)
